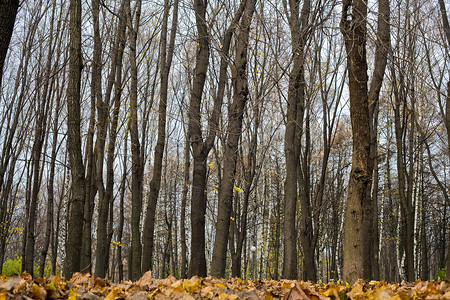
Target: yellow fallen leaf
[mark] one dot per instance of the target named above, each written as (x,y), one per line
(177,286)
(219,285)
(113,294)
(191,285)
(2,296)
(73,295)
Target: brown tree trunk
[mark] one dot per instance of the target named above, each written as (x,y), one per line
(155,184)
(235,116)
(197,265)
(382,49)
(298,21)
(134,263)
(353,28)
(106,194)
(187,166)
(74,231)
(446,114)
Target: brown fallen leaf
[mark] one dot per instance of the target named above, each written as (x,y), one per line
(145,281)
(249,295)
(10,284)
(38,292)
(80,279)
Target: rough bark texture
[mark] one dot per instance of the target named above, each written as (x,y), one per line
(353,28)
(136,160)
(106,193)
(197,265)
(166,54)
(74,234)
(381,54)
(293,134)
(235,116)
(446,24)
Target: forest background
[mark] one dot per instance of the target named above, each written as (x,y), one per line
(254,139)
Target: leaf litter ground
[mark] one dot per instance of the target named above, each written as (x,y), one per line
(87,287)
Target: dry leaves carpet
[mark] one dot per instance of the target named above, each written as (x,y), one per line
(86,287)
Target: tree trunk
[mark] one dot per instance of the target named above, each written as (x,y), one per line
(187,165)
(353,28)
(155,183)
(197,265)
(134,263)
(106,194)
(446,114)
(235,115)
(298,21)
(74,231)
(381,54)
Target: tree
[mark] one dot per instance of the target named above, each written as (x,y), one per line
(134,263)
(73,245)
(106,192)
(166,57)
(298,22)
(233,134)
(446,114)
(353,28)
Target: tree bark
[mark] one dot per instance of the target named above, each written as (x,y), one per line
(446,115)
(353,28)
(187,166)
(74,234)
(235,116)
(137,164)
(155,184)
(197,265)
(381,54)
(298,21)
(106,193)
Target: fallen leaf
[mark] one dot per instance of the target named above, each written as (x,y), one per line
(113,294)
(73,295)
(11,283)
(80,279)
(146,280)
(191,285)
(38,292)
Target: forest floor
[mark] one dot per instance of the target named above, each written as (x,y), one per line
(85,286)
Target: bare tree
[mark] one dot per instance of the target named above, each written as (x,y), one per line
(233,134)
(353,28)
(73,245)
(166,57)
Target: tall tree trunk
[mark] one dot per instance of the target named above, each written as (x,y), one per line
(197,265)
(353,28)
(298,21)
(74,230)
(382,49)
(187,166)
(155,184)
(134,263)
(106,193)
(446,114)
(235,116)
